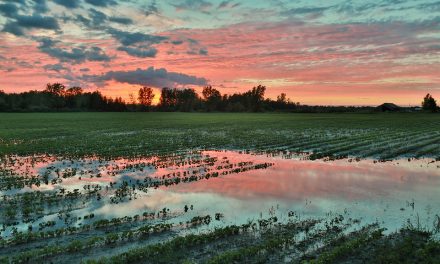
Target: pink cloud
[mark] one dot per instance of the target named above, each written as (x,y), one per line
(314,64)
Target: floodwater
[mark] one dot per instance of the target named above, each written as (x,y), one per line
(248,187)
(391,193)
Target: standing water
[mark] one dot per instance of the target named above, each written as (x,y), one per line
(235,187)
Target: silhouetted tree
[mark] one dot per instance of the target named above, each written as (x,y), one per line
(56,89)
(73,91)
(212,98)
(57,92)
(281,104)
(429,103)
(168,99)
(179,100)
(187,100)
(251,101)
(282,98)
(71,96)
(145,97)
(256,96)
(96,101)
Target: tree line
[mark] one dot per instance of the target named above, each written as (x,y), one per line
(57,97)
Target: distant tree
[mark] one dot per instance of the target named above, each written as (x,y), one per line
(281,104)
(71,97)
(96,101)
(179,100)
(56,89)
(429,103)
(259,91)
(209,92)
(57,92)
(251,101)
(256,98)
(282,98)
(212,98)
(73,91)
(168,99)
(146,96)
(187,100)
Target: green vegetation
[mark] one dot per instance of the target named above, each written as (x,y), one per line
(132,134)
(89,161)
(282,243)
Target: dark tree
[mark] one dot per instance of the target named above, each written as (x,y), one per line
(74,91)
(429,103)
(212,98)
(72,96)
(57,92)
(255,98)
(282,98)
(168,99)
(146,96)
(251,101)
(56,89)
(187,100)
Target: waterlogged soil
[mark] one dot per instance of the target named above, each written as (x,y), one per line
(200,191)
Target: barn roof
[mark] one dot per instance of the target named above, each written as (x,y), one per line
(389,107)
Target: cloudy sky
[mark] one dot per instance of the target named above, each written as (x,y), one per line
(329,52)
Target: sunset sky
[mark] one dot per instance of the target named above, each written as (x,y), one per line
(330,52)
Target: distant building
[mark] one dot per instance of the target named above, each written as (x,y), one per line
(388,107)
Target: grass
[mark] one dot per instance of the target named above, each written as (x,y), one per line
(131,134)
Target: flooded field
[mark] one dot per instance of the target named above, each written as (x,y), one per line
(131,202)
(219,188)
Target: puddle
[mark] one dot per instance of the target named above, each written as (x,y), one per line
(238,186)
(389,192)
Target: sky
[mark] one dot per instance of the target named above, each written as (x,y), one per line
(331,52)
